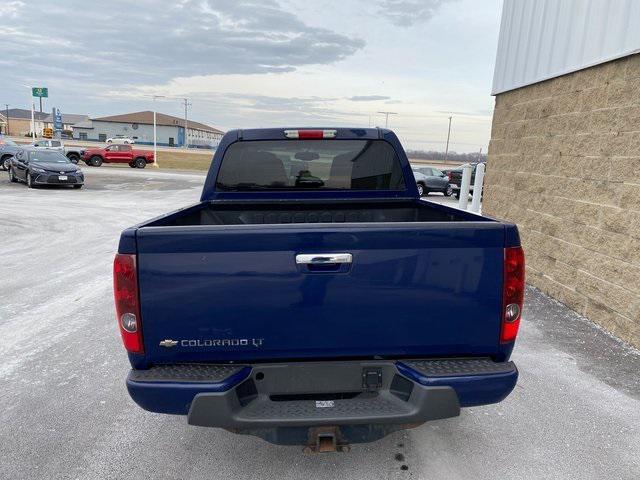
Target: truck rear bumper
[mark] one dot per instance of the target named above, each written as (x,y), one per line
(306,394)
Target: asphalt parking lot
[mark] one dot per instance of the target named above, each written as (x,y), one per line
(65,411)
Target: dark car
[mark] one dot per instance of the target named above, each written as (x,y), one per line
(455,178)
(429,179)
(42,167)
(8,149)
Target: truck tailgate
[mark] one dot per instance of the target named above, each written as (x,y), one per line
(220,293)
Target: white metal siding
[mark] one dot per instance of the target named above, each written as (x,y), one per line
(542,39)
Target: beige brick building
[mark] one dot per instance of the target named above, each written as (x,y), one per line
(564,164)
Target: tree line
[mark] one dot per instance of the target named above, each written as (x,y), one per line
(451,156)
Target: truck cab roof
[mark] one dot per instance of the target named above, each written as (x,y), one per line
(305,162)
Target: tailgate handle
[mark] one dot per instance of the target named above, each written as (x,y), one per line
(323,258)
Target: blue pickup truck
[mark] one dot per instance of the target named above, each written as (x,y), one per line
(312,298)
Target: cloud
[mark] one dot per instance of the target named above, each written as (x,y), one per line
(368,98)
(141,42)
(11,9)
(405,13)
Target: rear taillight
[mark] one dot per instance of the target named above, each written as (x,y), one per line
(512,293)
(310,134)
(125,291)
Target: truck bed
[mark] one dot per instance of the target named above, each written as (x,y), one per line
(235,266)
(266,213)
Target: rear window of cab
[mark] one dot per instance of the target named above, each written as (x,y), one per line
(310,164)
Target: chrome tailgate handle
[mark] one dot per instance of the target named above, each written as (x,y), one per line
(323,258)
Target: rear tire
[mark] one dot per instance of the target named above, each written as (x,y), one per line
(448,191)
(5,162)
(132,165)
(95,161)
(74,158)
(421,189)
(457,195)
(30,180)
(140,162)
(12,177)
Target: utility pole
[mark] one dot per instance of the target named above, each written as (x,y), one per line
(40,104)
(446,151)
(386,121)
(479,154)
(7,108)
(185,102)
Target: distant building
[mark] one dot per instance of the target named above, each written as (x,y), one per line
(139,126)
(19,122)
(68,120)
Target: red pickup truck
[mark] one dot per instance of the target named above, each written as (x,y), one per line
(117,154)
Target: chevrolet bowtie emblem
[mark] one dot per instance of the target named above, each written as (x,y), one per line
(168,343)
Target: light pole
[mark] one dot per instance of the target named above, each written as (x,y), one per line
(33,120)
(386,120)
(155,141)
(446,151)
(7,107)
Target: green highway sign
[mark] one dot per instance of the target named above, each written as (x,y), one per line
(40,92)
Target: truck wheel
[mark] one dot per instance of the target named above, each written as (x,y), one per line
(74,158)
(140,162)
(12,177)
(95,161)
(421,189)
(448,191)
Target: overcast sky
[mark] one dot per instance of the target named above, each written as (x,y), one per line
(252,63)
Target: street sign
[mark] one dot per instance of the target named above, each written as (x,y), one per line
(42,92)
(57,119)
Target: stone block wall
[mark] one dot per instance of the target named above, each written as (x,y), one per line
(564,164)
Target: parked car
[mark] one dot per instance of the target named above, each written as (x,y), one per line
(121,139)
(44,167)
(429,179)
(8,149)
(455,178)
(118,154)
(74,154)
(289,303)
